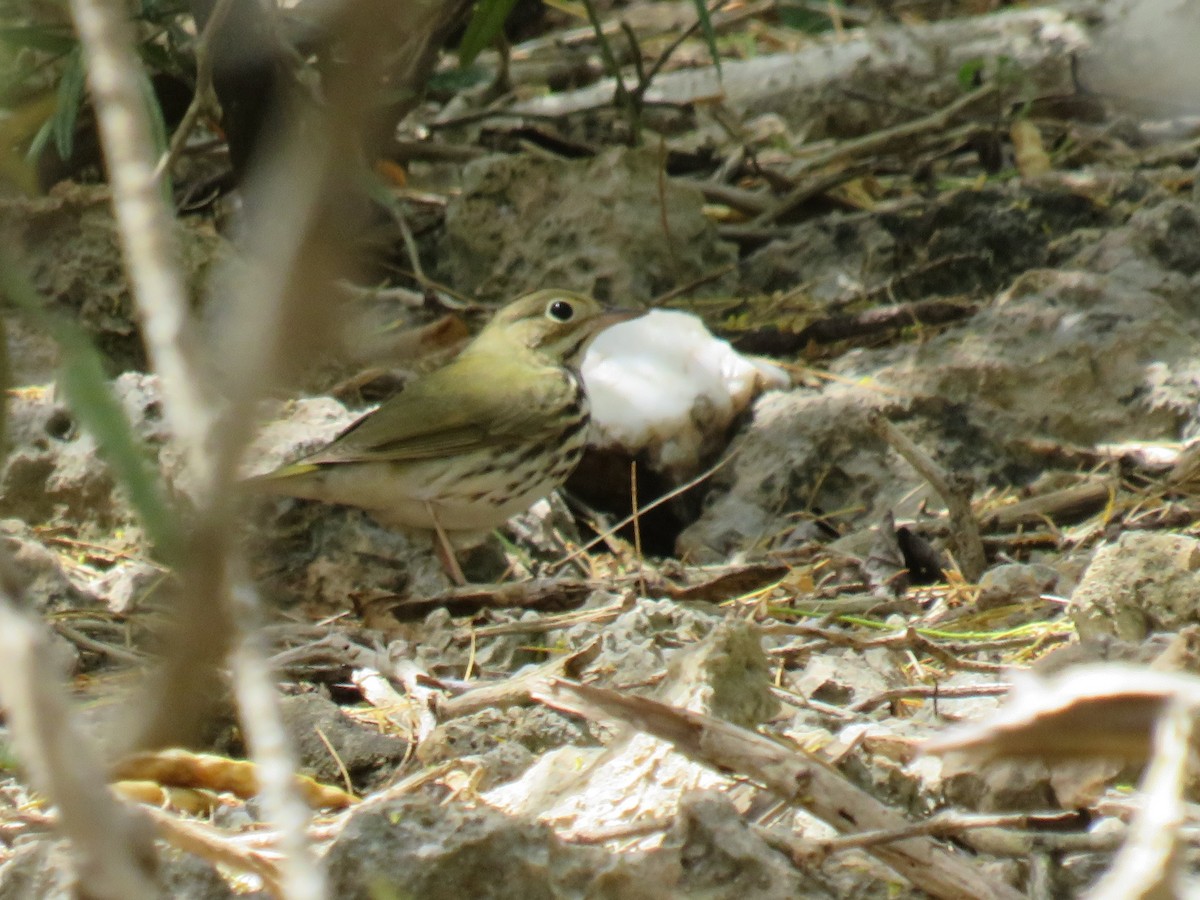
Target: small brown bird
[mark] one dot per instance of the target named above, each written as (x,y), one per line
(475,442)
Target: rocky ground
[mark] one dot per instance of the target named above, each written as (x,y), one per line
(982,278)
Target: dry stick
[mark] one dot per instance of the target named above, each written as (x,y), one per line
(79,639)
(302,233)
(621,93)
(663,218)
(684,289)
(209,843)
(813,185)
(1076,501)
(637,525)
(410,246)
(113,850)
(151,252)
(203,98)
(954,491)
(793,774)
(872,143)
(669,51)
(940,825)
(933,692)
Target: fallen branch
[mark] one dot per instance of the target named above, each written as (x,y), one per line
(793,774)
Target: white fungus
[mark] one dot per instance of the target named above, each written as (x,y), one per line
(663,385)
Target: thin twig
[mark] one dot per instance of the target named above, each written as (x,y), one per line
(668,496)
(79,639)
(621,93)
(204,97)
(954,491)
(940,825)
(684,289)
(933,692)
(872,143)
(669,50)
(1150,863)
(410,244)
(637,525)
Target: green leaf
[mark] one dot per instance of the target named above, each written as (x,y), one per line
(158,132)
(91,399)
(487,22)
(804,19)
(710,36)
(40,140)
(969,74)
(70,98)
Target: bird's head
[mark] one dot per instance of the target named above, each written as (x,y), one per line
(553,323)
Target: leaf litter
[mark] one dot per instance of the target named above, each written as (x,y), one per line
(763,706)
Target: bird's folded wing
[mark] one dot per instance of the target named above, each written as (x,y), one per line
(436,416)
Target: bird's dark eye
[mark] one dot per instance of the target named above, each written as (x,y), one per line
(560,310)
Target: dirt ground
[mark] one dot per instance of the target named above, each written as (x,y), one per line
(914,616)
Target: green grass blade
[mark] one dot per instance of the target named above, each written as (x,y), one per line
(45,38)
(487,21)
(70,98)
(710,36)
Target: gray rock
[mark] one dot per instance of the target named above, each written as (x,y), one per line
(723,857)
(1015,583)
(505,741)
(802,452)
(598,225)
(69,243)
(1145,581)
(42,869)
(1101,348)
(368,756)
(54,470)
(416,847)
(43,581)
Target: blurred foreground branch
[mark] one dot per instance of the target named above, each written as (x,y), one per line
(113,850)
(306,205)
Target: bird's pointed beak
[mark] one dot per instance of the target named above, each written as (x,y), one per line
(617,315)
